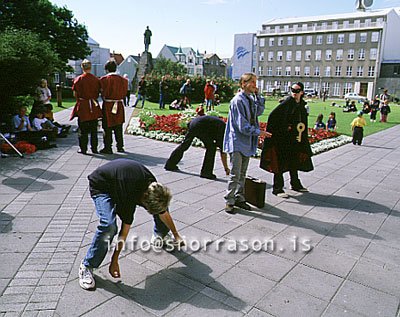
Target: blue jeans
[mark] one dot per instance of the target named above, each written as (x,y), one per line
(138,98)
(162,101)
(107,229)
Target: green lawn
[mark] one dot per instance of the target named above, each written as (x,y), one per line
(317,107)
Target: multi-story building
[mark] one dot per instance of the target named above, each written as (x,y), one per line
(213,65)
(244,56)
(192,60)
(335,53)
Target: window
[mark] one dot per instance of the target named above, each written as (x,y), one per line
(350,54)
(324,25)
(361,54)
(363,37)
(288,56)
(352,37)
(371,71)
(290,40)
(345,24)
(338,71)
(318,39)
(317,71)
(271,41)
(360,71)
(349,71)
(375,37)
(261,56)
(315,86)
(304,27)
(336,89)
(268,86)
(286,28)
(329,39)
(339,55)
(287,71)
(262,42)
(307,55)
(373,53)
(286,86)
(299,40)
(328,55)
(307,70)
(309,40)
(340,38)
(279,56)
(347,88)
(298,55)
(327,71)
(297,70)
(357,23)
(325,87)
(278,71)
(280,41)
(318,55)
(396,70)
(260,71)
(269,71)
(270,56)
(307,84)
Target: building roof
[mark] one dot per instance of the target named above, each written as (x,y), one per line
(208,56)
(352,15)
(179,50)
(92,41)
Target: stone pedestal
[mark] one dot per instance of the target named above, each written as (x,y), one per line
(145,67)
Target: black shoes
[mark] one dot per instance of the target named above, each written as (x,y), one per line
(121,150)
(300,189)
(106,151)
(243,205)
(208,176)
(82,152)
(230,209)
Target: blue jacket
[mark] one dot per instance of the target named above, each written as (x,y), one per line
(240,134)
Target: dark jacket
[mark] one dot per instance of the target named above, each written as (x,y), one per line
(283,152)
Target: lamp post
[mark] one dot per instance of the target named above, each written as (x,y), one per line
(320,85)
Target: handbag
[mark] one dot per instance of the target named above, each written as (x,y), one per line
(254,191)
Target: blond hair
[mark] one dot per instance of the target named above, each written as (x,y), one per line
(246,78)
(86,64)
(158,198)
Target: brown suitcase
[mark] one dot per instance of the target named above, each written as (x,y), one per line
(254,191)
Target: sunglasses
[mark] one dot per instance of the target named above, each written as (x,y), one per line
(296,91)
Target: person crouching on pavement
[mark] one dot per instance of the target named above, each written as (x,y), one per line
(116,189)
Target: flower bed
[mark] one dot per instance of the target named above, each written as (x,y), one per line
(172,128)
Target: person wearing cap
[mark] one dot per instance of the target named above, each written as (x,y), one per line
(357,127)
(113,91)
(288,150)
(86,89)
(116,189)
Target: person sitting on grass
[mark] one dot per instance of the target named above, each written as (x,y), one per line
(331,123)
(319,124)
(200,110)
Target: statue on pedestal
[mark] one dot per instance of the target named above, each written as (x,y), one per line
(147,39)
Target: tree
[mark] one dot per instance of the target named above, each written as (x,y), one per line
(24,60)
(165,66)
(54,25)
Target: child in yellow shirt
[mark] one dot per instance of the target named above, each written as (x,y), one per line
(357,126)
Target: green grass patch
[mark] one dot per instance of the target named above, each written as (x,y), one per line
(343,119)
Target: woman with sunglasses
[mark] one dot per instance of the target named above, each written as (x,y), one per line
(288,150)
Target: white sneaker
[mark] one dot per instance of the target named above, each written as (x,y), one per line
(86,279)
(282,195)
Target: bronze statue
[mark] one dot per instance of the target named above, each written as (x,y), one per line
(147,39)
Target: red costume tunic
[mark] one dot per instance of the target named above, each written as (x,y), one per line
(114,89)
(87,88)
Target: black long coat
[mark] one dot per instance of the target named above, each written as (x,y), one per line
(282,152)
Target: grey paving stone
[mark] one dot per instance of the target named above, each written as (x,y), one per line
(334,311)
(227,250)
(19,290)
(202,305)
(329,261)
(219,224)
(12,307)
(18,242)
(366,300)
(265,264)
(31,210)
(10,263)
(41,306)
(29,224)
(284,301)
(382,253)
(258,313)
(24,282)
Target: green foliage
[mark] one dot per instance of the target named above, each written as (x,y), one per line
(165,66)
(24,60)
(54,25)
(225,87)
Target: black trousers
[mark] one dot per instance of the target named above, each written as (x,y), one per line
(373,115)
(107,137)
(209,157)
(86,128)
(358,134)
(279,182)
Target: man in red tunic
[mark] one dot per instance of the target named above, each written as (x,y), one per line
(114,88)
(86,91)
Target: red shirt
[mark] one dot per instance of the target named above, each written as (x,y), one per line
(87,88)
(209,91)
(114,87)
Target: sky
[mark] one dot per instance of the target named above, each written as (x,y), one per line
(205,25)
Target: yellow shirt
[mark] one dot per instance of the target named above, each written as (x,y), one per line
(358,122)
